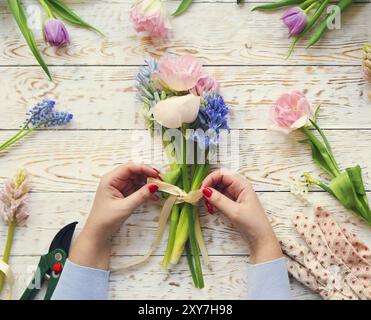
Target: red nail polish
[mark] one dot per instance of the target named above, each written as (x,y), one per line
(159,177)
(152,188)
(207,192)
(209,207)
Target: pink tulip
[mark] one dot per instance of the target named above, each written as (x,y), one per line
(180,73)
(150,16)
(292,111)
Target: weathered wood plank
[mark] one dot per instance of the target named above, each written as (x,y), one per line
(51,211)
(226,280)
(104,98)
(240,37)
(74,160)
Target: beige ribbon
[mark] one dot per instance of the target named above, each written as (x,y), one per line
(176,195)
(9,278)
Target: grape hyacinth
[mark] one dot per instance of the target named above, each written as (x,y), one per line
(213,116)
(42,115)
(147,91)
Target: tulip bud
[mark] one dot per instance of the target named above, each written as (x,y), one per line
(295,19)
(56,33)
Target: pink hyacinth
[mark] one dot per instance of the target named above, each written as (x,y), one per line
(292,111)
(205,85)
(14,197)
(150,16)
(180,73)
(295,19)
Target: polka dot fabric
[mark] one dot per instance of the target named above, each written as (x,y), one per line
(330,259)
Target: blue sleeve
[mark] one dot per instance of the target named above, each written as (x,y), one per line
(268,281)
(81,283)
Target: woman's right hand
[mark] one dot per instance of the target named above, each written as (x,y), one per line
(234,196)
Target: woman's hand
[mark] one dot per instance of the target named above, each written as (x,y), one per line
(119,193)
(234,196)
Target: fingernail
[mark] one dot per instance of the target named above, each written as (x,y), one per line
(209,207)
(152,188)
(156,170)
(159,177)
(207,192)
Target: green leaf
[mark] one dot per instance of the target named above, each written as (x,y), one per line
(318,158)
(355,175)
(344,190)
(20,17)
(327,144)
(65,13)
(278,4)
(185,4)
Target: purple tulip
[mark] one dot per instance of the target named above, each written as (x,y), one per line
(56,33)
(295,19)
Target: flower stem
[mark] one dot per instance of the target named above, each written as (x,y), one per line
(174,218)
(307,3)
(47,9)
(16,138)
(312,180)
(313,5)
(8,246)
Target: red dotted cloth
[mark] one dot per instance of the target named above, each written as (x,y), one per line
(331,260)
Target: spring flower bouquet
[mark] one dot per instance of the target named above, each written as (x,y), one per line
(14,211)
(293,111)
(183,105)
(152,17)
(55,32)
(42,115)
(308,16)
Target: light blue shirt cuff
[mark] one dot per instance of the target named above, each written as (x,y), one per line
(81,283)
(268,281)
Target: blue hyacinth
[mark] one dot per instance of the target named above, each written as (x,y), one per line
(213,115)
(42,115)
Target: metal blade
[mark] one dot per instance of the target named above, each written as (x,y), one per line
(63,238)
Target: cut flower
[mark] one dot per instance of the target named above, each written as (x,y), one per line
(174,111)
(150,16)
(180,73)
(295,20)
(291,111)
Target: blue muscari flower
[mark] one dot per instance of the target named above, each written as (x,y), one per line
(43,115)
(146,91)
(213,115)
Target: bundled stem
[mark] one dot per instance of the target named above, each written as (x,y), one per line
(184,232)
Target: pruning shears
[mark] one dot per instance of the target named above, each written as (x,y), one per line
(50,265)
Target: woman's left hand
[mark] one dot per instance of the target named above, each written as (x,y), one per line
(119,193)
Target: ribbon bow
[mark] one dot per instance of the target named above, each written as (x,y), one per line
(7,271)
(176,196)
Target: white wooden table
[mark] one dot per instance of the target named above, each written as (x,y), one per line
(94,79)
